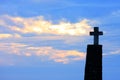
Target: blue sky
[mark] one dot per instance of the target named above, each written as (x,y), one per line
(47,39)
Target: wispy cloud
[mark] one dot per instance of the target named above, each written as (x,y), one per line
(38,25)
(9,36)
(116,52)
(5,35)
(116,13)
(46,53)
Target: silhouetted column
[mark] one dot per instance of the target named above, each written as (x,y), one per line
(93,68)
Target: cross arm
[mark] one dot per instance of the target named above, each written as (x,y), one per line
(92,33)
(100,33)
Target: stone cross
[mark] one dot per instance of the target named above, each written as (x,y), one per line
(96,35)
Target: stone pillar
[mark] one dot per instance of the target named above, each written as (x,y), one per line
(93,67)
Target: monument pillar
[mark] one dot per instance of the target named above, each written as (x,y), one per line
(93,67)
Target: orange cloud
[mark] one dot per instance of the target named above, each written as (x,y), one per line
(66,56)
(9,36)
(49,53)
(5,35)
(38,25)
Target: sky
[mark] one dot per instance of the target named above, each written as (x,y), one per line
(47,39)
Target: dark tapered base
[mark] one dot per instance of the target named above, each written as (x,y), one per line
(93,68)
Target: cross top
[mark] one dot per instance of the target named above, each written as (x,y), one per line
(96,35)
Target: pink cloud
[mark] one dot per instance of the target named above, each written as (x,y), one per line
(49,53)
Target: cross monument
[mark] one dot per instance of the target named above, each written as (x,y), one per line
(93,66)
(96,35)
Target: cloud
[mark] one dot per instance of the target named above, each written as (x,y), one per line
(5,35)
(46,53)
(112,52)
(68,56)
(31,37)
(38,25)
(116,13)
(2,36)
(116,52)
(38,29)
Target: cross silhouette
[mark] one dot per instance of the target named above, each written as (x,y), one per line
(96,35)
